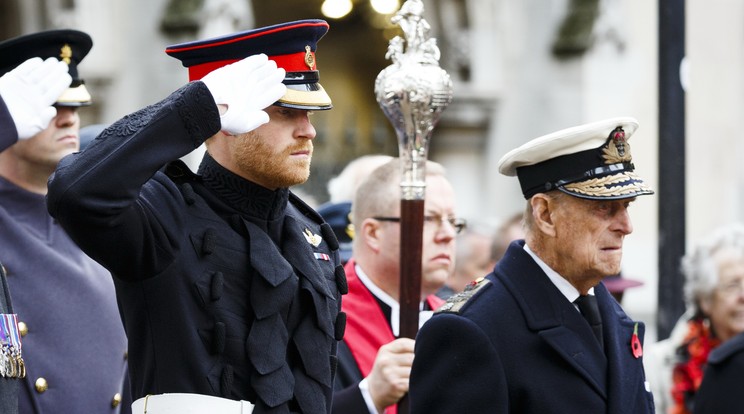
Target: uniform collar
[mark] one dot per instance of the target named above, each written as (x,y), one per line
(249,198)
(387,300)
(566,288)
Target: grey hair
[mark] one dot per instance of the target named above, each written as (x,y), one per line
(380,191)
(528,220)
(700,266)
(343,187)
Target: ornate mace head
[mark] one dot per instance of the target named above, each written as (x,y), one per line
(412,92)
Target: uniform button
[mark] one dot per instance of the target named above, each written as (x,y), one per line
(41,385)
(116,400)
(22,328)
(126,355)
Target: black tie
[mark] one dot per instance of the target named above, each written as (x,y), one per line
(588,307)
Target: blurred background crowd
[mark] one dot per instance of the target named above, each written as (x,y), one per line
(520,69)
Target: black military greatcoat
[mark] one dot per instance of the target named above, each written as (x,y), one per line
(226,288)
(519,346)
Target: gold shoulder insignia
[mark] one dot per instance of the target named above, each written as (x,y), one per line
(457,301)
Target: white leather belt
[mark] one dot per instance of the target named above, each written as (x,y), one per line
(189,404)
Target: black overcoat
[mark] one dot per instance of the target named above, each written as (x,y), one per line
(518,346)
(226,288)
(723,380)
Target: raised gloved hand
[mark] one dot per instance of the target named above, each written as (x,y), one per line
(246,88)
(29,91)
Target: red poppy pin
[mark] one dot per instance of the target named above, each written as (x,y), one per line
(635,343)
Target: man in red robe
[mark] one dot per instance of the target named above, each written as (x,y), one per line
(374,366)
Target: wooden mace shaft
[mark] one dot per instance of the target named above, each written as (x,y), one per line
(411,246)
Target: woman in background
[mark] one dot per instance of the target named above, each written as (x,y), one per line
(713,272)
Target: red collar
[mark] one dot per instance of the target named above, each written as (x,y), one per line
(367,328)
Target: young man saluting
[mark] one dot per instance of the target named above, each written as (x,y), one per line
(229,285)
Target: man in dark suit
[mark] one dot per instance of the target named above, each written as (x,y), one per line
(229,285)
(541,334)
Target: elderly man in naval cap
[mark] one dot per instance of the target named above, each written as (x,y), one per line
(541,333)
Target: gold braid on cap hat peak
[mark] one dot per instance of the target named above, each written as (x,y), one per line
(597,187)
(619,151)
(615,151)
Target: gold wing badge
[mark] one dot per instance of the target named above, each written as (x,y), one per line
(311,238)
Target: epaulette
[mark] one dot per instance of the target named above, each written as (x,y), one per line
(456,302)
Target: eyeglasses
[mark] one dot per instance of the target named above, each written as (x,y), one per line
(457,223)
(733,288)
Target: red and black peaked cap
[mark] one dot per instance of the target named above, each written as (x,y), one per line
(291,45)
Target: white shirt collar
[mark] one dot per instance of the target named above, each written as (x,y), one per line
(388,300)
(566,288)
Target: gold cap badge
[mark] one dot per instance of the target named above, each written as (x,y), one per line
(309,57)
(65,53)
(617,148)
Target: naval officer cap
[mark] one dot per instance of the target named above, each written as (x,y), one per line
(291,45)
(591,161)
(69,46)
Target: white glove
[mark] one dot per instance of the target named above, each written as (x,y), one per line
(29,91)
(246,87)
